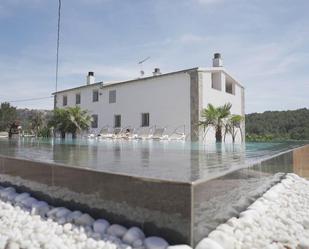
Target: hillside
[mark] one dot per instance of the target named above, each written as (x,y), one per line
(27,118)
(278,125)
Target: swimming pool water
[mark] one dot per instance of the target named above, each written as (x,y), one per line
(168,160)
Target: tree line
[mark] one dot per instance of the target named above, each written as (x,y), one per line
(278,125)
(42,123)
(267,126)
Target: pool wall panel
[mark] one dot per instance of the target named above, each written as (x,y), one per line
(161,208)
(181,212)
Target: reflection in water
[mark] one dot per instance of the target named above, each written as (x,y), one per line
(217,200)
(117,152)
(145,156)
(179,161)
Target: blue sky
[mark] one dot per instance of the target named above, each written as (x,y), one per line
(265,44)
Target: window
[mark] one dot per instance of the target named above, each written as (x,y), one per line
(65,100)
(112,96)
(145,119)
(117,121)
(94,122)
(95,96)
(216,81)
(77,99)
(229,87)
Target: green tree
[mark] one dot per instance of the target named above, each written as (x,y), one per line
(278,125)
(44,132)
(233,125)
(59,121)
(71,120)
(215,116)
(37,123)
(8,115)
(79,120)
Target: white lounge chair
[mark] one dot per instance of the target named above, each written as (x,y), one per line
(105,133)
(178,134)
(117,132)
(92,136)
(144,133)
(120,132)
(127,133)
(4,134)
(158,134)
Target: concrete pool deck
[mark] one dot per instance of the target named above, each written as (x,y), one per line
(181,212)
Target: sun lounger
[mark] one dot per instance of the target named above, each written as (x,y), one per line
(4,134)
(178,134)
(105,133)
(144,133)
(158,134)
(117,132)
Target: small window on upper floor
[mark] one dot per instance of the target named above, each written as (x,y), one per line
(145,119)
(112,96)
(216,81)
(65,100)
(95,96)
(117,121)
(230,87)
(94,122)
(77,98)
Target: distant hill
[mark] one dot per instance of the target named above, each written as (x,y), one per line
(29,119)
(278,125)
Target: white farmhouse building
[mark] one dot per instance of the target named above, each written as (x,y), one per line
(168,100)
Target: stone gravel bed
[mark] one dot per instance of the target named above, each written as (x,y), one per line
(29,223)
(277,220)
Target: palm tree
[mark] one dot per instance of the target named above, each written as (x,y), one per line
(37,123)
(59,121)
(79,120)
(214,116)
(72,120)
(232,126)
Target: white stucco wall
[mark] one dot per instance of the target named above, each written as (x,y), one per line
(166,99)
(219,98)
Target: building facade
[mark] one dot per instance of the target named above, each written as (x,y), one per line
(171,100)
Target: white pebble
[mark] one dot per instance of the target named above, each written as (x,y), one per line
(179,247)
(84,220)
(155,243)
(73,216)
(100,226)
(208,244)
(116,230)
(12,245)
(20,197)
(133,234)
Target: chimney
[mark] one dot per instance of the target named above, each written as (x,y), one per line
(90,78)
(217,60)
(156,72)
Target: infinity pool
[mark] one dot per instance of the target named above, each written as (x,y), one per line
(166,160)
